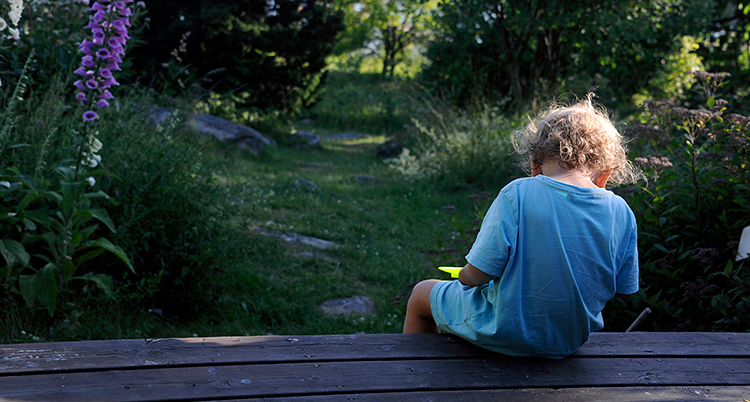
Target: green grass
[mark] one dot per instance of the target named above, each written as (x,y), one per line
(381,225)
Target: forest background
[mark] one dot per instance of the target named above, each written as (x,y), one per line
(114,226)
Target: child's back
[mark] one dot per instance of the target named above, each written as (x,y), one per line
(558,253)
(553,248)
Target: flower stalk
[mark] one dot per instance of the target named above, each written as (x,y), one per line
(102,54)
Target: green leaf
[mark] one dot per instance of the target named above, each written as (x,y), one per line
(14,254)
(38,217)
(102,216)
(103,282)
(70,194)
(116,250)
(90,255)
(29,289)
(68,269)
(82,216)
(711,102)
(48,289)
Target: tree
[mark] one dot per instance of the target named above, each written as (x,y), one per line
(520,48)
(270,52)
(387,28)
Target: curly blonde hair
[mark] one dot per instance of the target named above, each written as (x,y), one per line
(580,136)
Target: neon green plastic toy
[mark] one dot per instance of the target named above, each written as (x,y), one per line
(451,270)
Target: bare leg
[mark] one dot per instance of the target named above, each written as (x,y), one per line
(418,312)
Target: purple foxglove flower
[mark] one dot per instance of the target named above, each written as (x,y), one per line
(90,115)
(99,16)
(82,72)
(92,25)
(92,84)
(88,61)
(81,97)
(114,58)
(102,103)
(98,7)
(105,73)
(126,12)
(86,46)
(119,5)
(114,66)
(109,82)
(103,53)
(125,21)
(79,85)
(106,95)
(98,35)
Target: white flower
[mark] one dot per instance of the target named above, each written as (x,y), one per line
(94,160)
(3,24)
(96,145)
(5,184)
(91,181)
(14,17)
(14,33)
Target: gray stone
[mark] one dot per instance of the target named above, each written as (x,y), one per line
(245,137)
(346,136)
(307,139)
(389,149)
(298,239)
(365,178)
(306,184)
(345,307)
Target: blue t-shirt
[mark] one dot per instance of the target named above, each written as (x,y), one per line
(559,253)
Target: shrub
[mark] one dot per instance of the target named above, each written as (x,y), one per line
(169,208)
(692,212)
(460,149)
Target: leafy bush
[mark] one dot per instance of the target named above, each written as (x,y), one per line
(460,150)
(169,208)
(692,212)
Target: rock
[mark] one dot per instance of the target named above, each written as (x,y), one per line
(295,238)
(389,149)
(345,307)
(245,137)
(345,136)
(365,178)
(306,184)
(307,140)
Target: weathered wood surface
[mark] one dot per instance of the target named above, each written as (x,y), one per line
(612,367)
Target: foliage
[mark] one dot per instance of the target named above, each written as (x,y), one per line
(53,30)
(692,212)
(384,28)
(526,49)
(726,48)
(270,54)
(455,149)
(50,220)
(366,102)
(170,215)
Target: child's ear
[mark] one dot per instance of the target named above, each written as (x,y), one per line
(536,169)
(601,179)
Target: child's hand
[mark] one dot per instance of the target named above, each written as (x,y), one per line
(472,276)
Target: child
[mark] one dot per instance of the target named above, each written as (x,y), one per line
(552,250)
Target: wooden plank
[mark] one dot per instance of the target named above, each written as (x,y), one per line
(608,394)
(667,344)
(120,354)
(332,378)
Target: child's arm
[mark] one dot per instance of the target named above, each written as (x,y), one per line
(473,276)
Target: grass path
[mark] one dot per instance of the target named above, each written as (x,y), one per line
(342,194)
